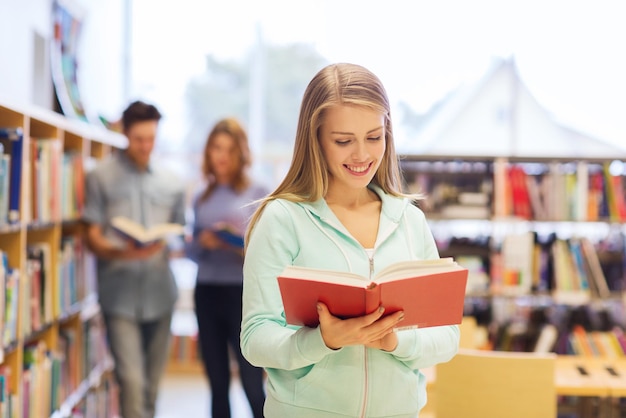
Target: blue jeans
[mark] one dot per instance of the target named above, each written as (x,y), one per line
(140,351)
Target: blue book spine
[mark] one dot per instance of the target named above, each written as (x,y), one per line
(13,141)
(5,167)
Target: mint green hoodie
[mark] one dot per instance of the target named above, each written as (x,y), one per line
(306,378)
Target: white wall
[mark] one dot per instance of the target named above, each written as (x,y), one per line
(23,81)
(102,58)
(21,20)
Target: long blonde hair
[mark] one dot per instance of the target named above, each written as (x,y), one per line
(307,178)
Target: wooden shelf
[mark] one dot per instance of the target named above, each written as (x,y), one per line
(553,235)
(184,367)
(51,328)
(92,381)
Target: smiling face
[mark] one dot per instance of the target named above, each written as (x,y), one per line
(352,139)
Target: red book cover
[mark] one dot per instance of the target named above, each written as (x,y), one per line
(430,292)
(521,198)
(617,183)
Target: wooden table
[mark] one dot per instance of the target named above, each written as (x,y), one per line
(574,377)
(611,371)
(589,378)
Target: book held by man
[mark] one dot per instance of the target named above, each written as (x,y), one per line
(141,235)
(430,292)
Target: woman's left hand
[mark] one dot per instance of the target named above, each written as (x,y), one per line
(372,330)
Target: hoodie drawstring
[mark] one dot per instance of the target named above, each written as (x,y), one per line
(343,252)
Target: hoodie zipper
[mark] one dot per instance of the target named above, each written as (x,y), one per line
(371,276)
(365,356)
(371,266)
(366,382)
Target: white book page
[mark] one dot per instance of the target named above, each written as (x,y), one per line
(395,271)
(322,275)
(405,269)
(137,230)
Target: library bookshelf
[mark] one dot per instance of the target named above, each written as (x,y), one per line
(53,358)
(544,238)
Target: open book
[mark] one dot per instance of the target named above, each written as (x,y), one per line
(140,235)
(227,234)
(430,292)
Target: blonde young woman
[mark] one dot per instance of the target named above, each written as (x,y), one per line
(339,207)
(224,203)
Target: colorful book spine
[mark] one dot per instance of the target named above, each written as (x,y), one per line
(5,170)
(13,142)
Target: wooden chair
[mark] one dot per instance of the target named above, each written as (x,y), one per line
(493,384)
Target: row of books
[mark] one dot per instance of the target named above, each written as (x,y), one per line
(575,191)
(532,323)
(44,298)
(45,180)
(39,376)
(454,190)
(70,373)
(573,269)
(548,338)
(568,268)
(51,375)
(38,309)
(11,140)
(9,300)
(7,398)
(5,175)
(554,191)
(40,379)
(86,388)
(596,343)
(99,402)
(75,283)
(54,179)
(95,349)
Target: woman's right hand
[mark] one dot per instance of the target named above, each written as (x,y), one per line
(371,330)
(137,252)
(209,240)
